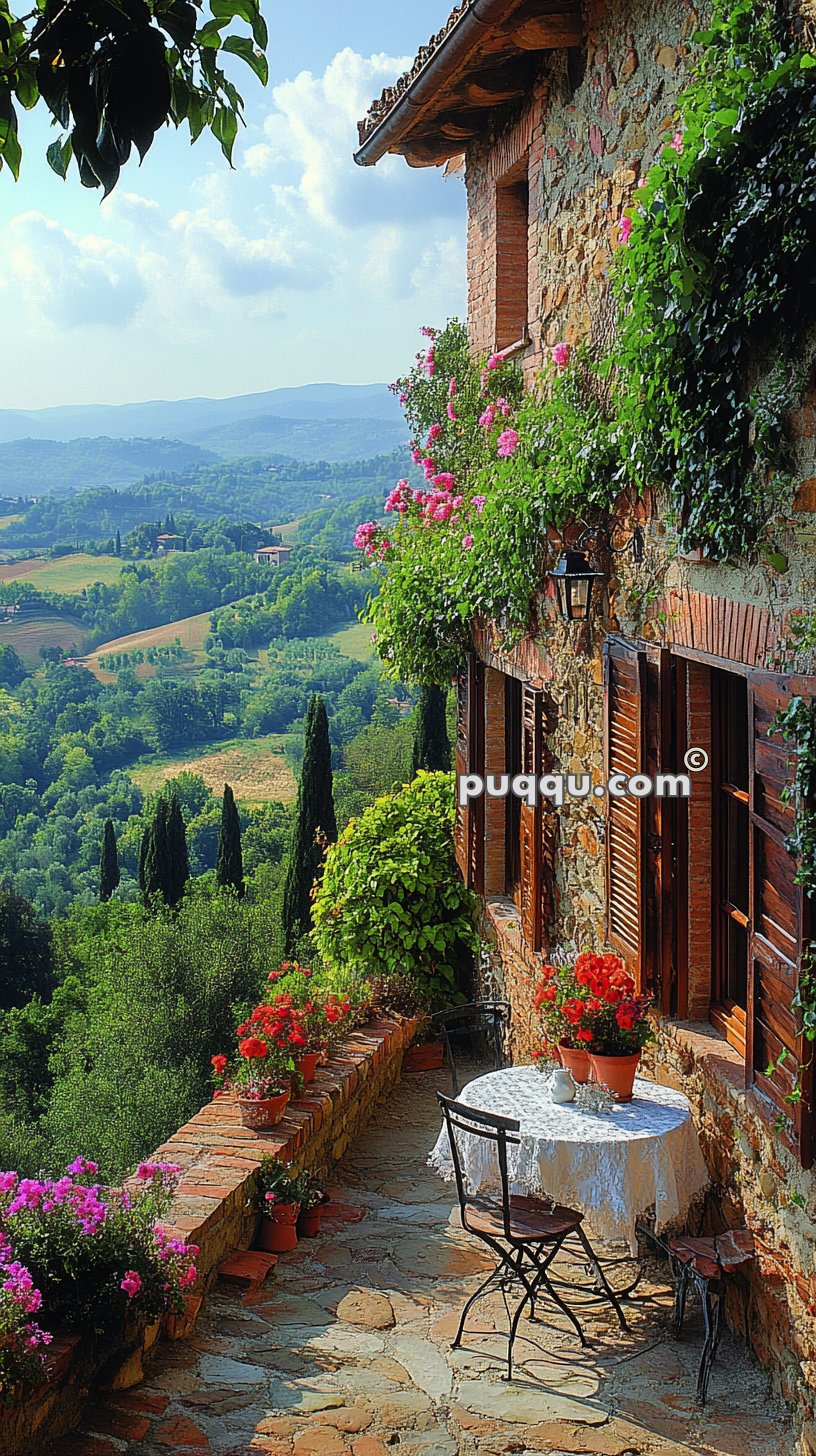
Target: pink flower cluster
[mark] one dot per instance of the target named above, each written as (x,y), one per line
(507,444)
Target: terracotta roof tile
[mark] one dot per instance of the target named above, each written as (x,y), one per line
(391,95)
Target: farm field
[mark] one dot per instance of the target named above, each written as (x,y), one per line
(255,767)
(31,633)
(68,574)
(190,631)
(354,641)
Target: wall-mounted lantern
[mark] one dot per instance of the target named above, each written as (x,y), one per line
(573,576)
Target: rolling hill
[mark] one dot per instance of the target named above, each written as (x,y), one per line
(52,467)
(184,418)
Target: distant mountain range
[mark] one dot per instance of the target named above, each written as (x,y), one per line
(187,419)
(70,446)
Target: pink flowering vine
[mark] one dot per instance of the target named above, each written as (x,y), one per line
(625,229)
(131,1283)
(561,355)
(676,143)
(487,418)
(507,444)
(467,542)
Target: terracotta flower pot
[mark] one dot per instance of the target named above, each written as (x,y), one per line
(261,1113)
(308,1225)
(577,1062)
(617,1074)
(307,1066)
(276,1237)
(427,1056)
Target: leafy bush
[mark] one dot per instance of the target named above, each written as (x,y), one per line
(391,900)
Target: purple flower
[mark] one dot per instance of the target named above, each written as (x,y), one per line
(82,1165)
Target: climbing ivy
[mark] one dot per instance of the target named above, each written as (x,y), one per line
(718,280)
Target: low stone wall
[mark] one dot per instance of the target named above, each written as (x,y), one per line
(214,1207)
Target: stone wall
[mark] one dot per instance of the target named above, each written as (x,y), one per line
(214,1207)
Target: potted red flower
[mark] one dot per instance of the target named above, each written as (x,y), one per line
(564,1008)
(311,1211)
(261,1074)
(594,1019)
(618,1019)
(310,1022)
(281,1196)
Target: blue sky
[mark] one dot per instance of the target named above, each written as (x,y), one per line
(191,279)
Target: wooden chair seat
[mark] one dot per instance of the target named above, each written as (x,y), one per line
(530,1220)
(710,1258)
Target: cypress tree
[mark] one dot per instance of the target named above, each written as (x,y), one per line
(229,866)
(109,873)
(144,850)
(177,859)
(431,742)
(155,874)
(118,544)
(314,827)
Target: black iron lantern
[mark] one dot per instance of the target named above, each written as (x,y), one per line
(573,577)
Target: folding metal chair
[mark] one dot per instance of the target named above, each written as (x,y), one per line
(524,1233)
(488,1020)
(703,1263)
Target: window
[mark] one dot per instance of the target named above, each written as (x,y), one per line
(512,256)
(702,896)
(730,842)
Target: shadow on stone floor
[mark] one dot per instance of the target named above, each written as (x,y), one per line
(346,1351)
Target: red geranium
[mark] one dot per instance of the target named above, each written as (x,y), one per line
(252,1047)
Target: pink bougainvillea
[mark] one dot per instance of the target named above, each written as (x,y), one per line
(507,443)
(561,355)
(625,229)
(676,143)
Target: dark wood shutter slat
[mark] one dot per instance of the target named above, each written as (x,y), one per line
(532,838)
(623,697)
(779,920)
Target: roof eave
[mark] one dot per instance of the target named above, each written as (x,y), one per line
(438,69)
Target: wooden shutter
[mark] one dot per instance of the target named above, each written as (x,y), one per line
(469,828)
(532,759)
(624,737)
(779,916)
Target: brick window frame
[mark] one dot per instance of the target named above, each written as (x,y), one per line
(512,257)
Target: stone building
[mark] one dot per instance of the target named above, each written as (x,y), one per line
(558,109)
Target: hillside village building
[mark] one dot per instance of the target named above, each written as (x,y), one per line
(558,111)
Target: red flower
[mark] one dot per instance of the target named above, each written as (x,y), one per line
(219,1063)
(253,1047)
(585,1035)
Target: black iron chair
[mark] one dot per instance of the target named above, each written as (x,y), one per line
(703,1264)
(483,1023)
(524,1233)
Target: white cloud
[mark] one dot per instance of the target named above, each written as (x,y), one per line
(244,266)
(314,125)
(73,280)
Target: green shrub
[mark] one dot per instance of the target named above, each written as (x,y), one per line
(391,899)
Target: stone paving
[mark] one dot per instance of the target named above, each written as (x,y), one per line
(345,1351)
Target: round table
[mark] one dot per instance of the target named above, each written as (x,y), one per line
(613,1167)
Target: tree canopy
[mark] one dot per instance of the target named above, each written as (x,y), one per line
(112,72)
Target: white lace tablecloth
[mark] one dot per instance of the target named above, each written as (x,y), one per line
(613,1167)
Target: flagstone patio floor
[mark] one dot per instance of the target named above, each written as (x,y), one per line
(346,1350)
